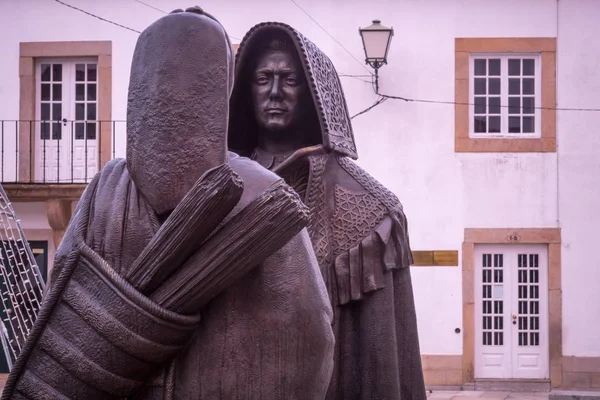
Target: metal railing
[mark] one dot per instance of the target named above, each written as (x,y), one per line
(56,152)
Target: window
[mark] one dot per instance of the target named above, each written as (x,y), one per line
(505,93)
(64,81)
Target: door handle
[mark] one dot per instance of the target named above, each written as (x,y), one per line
(64,121)
(514,317)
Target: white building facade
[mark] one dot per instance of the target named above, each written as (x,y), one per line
(495,158)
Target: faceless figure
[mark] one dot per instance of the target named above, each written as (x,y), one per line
(262,334)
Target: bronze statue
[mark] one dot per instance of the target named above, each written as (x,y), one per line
(185,272)
(288,112)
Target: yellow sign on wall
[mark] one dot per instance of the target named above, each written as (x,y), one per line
(435,258)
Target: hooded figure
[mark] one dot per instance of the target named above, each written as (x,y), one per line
(265,336)
(288,112)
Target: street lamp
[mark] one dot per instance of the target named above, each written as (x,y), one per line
(376,40)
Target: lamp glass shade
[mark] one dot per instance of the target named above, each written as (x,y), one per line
(376,41)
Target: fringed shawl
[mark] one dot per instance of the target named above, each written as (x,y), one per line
(362,237)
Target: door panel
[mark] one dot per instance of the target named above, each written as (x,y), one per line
(530,354)
(52,99)
(493,337)
(511,312)
(85,143)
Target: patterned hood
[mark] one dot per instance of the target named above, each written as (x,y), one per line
(327,94)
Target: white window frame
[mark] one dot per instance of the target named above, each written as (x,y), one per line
(69,145)
(504,57)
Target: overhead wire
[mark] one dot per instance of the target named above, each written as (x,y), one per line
(407,99)
(151,6)
(116,23)
(358,79)
(377,102)
(98,17)
(381,96)
(164,12)
(330,35)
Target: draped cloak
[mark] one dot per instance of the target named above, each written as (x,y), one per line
(268,336)
(358,230)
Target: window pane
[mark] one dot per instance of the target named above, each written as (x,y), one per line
(528,84)
(494,67)
(91,111)
(479,85)
(528,105)
(80,111)
(480,67)
(514,86)
(45,112)
(514,124)
(91,72)
(494,105)
(528,67)
(479,125)
(91,130)
(79,131)
(494,86)
(479,105)
(57,92)
(45,131)
(80,92)
(80,72)
(56,112)
(56,72)
(45,72)
(528,125)
(514,67)
(45,92)
(514,105)
(91,92)
(56,131)
(494,125)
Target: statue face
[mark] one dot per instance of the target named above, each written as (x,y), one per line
(278,88)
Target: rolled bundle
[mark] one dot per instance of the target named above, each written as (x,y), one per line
(202,209)
(257,231)
(101,339)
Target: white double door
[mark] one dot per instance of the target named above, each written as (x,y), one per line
(511,312)
(66,126)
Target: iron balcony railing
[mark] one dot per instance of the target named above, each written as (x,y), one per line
(56,152)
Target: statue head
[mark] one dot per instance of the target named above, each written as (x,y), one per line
(278,88)
(287,88)
(178,105)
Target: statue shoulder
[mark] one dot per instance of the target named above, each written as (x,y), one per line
(256,179)
(355,179)
(112,173)
(254,175)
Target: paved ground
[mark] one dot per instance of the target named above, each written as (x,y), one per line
(471,395)
(466,395)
